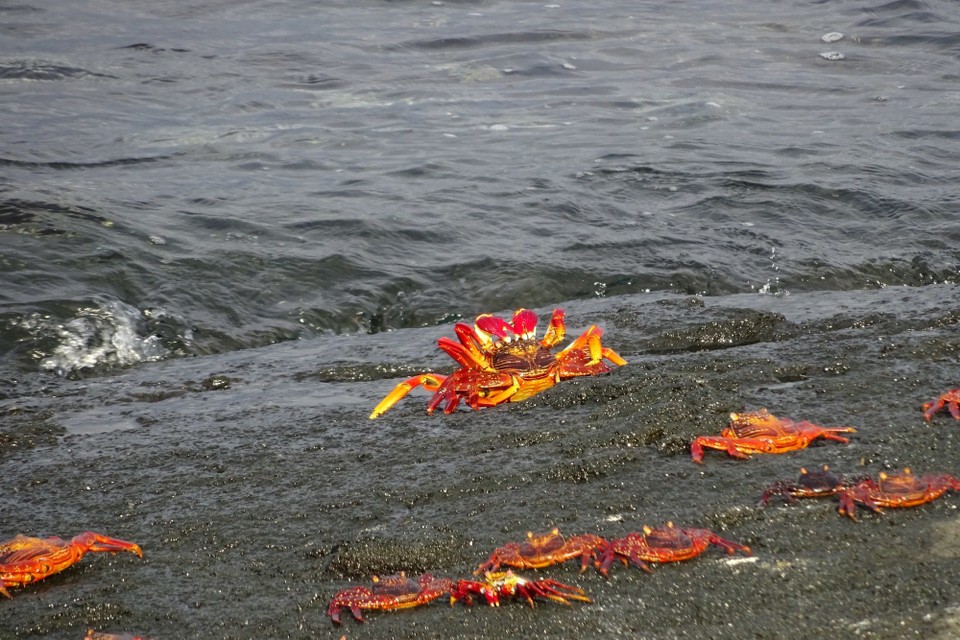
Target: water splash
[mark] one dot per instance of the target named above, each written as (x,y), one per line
(103,334)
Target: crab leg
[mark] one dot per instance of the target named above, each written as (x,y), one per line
(429,381)
(589,343)
(726,444)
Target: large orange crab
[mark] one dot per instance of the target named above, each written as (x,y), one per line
(897,490)
(663,544)
(543,550)
(24,559)
(391,592)
(503,361)
(762,432)
(950,400)
(497,585)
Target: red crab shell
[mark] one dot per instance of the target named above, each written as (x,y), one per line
(391,592)
(896,490)
(762,432)
(543,550)
(664,544)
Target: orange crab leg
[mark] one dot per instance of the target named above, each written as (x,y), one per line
(429,381)
(501,396)
(739,448)
(589,342)
(463,355)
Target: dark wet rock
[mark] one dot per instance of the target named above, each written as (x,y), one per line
(217,383)
(257,503)
(743,327)
(373,555)
(25,428)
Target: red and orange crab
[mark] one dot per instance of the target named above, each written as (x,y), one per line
(762,432)
(391,592)
(949,400)
(24,559)
(663,544)
(819,483)
(895,491)
(503,361)
(497,585)
(543,550)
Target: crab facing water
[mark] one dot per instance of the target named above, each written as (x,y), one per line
(762,432)
(24,559)
(503,361)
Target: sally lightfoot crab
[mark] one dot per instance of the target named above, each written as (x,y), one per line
(663,544)
(24,559)
(949,400)
(543,550)
(391,592)
(762,432)
(819,483)
(896,490)
(503,361)
(498,585)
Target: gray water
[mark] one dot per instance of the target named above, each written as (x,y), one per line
(229,228)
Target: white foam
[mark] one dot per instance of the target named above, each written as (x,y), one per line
(105,334)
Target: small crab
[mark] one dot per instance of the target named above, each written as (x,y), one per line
(497,585)
(949,400)
(543,550)
(503,361)
(391,592)
(97,635)
(663,544)
(762,432)
(819,483)
(895,491)
(24,559)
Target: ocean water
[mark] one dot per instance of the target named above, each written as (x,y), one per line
(228,228)
(186,180)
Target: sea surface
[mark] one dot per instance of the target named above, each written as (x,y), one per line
(228,228)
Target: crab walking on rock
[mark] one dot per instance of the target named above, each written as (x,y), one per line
(503,361)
